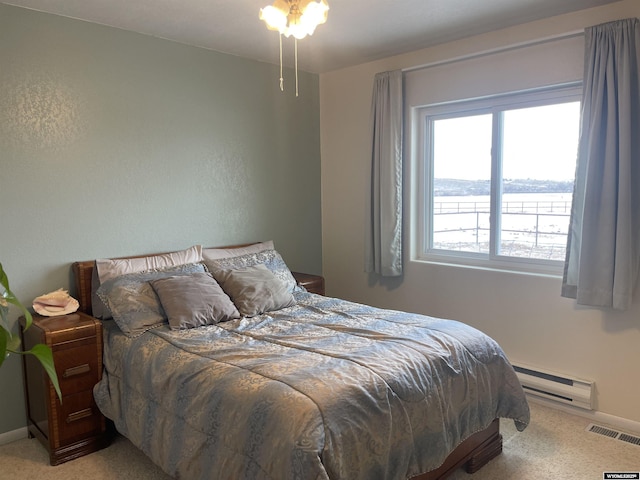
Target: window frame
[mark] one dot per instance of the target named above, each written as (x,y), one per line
(422,118)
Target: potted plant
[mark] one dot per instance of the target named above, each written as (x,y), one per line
(11,344)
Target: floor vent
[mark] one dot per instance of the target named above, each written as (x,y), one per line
(629,439)
(607,432)
(554,386)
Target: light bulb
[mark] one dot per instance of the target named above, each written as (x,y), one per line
(275,18)
(298,30)
(315,14)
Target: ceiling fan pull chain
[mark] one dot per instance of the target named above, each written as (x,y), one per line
(295,46)
(281,78)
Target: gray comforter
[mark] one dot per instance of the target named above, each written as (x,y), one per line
(326,389)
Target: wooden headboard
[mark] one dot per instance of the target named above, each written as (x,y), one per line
(83,273)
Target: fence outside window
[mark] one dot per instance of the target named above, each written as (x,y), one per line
(529,228)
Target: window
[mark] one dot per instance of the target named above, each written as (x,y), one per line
(497,179)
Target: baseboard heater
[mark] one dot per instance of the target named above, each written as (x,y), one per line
(554,386)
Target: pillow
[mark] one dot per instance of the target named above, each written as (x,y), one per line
(193,300)
(270,258)
(132,301)
(255,290)
(217,253)
(106,269)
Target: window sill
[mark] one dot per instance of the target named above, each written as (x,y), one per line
(518,268)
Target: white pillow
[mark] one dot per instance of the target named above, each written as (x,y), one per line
(106,269)
(218,253)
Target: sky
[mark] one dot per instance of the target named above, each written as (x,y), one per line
(539,143)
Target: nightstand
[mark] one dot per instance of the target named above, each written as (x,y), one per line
(74,427)
(312,283)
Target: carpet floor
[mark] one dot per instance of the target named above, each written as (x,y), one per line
(555,445)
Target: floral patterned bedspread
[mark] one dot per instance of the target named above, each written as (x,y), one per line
(326,389)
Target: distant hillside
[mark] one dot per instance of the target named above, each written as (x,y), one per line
(444,187)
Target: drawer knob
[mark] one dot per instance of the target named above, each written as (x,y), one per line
(70,372)
(79,415)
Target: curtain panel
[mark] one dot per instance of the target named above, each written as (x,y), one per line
(383,241)
(603,245)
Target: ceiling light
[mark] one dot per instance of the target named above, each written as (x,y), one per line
(297,18)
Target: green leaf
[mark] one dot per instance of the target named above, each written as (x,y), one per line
(4,280)
(3,345)
(9,297)
(4,313)
(4,321)
(45,357)
(27,317)
(11,344)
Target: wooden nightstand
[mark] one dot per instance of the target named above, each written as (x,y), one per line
(75,427)
(313,283)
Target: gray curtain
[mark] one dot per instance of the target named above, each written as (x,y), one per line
(603,246)
(383,242)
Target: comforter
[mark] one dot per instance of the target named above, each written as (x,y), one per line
(325,389)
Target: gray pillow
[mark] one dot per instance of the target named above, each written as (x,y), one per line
(134,305)
(194,300)
(255,289)
(108,268)
(270,257)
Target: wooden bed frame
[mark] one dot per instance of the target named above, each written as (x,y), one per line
(472,454)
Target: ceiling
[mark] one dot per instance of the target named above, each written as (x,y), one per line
(357,31)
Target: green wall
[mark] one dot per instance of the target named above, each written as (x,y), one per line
(114,143)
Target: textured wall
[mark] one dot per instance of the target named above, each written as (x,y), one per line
(114,143)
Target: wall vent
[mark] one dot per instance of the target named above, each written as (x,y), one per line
(608,432)
(554,386)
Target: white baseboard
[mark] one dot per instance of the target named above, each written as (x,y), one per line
(13,435)
(629,426)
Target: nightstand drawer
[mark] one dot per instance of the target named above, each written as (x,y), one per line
(79,417)
(77,368)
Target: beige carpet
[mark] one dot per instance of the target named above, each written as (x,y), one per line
(554,446)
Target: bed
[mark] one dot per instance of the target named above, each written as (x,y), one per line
(311,387)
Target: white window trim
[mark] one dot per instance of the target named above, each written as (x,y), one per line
(419,214)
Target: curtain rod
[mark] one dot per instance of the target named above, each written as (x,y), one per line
(493,51)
